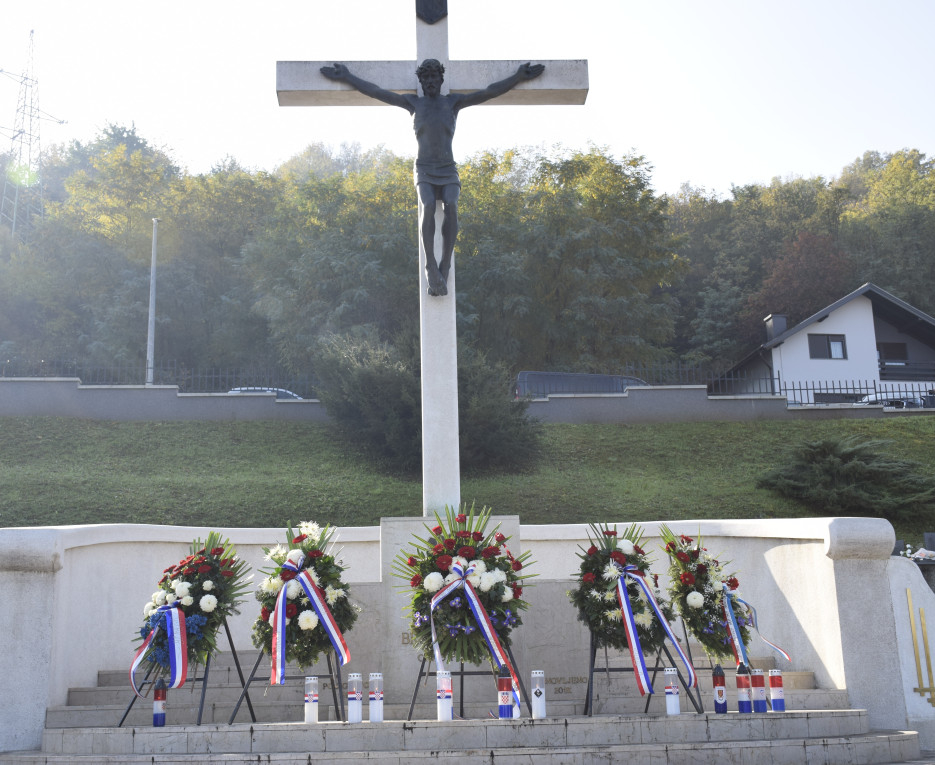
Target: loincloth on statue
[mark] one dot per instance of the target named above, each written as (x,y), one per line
(436,174)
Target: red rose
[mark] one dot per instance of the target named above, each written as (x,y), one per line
(701,568)
(610,533)
(587,578)
(415,581)
(591,550)
(291,610)
(733,583)
(638,550)
(517,591)
(450,544)
(695,554)
(460,517)
(670,546)
(463,534)
(264,614)
(516,565)
(685,540)
(687,578)
(443,562)
(189,571)
(315,554)
(467,552)
(490,552)
(227,572)
(499,537)
(437,530)
(618,556)
(412,561)
(217,551)
(477,536)
(299,539)
(286,574)
(438,549)
(204,569)
(682,556)
(163,580)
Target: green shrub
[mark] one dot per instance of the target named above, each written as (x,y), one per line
(373,394)
(852,477)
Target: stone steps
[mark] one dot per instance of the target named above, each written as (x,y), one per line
(839,737)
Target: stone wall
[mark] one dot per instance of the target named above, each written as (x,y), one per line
(67,397)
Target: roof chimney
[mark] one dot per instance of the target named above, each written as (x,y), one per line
(775,325)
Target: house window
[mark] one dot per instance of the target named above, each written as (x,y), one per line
(827,347)
(892,351)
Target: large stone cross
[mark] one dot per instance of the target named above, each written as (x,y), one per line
(301,83)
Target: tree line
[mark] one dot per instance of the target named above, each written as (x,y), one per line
(567,261)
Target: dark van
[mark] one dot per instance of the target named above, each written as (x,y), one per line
(542,384)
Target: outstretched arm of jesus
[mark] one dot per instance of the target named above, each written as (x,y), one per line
(525,72)
(343,74)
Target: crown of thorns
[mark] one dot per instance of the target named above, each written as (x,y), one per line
(430,65)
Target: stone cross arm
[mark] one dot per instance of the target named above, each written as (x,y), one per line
(301,83)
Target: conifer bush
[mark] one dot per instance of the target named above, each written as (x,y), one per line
(373,394)
(850,476)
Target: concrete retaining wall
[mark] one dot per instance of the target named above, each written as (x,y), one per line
(67,397)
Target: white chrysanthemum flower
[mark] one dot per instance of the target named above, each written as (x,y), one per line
(187,601)
(694,599)
(610,595)
(271,585)
(308,620)
(208,603)
(175,583)
(460,561)
(148,609)
(207,585)
(182,589)
(295,557)
(293,589)
(626,547)
(171,597)
(644,618)
(452,577)
(613,615)
(310,529)
(507,595)
(434,581)
(276,553)
(487,581)
(304,599)
(159,597)
(499,574)
(479,566)
(474,579)
(610,573)
(595,594)
(333,593)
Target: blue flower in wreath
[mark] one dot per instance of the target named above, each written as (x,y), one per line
(456,602)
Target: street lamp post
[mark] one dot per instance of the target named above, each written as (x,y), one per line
(151,333)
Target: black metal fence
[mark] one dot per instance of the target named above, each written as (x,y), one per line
(890,393)
(188,379)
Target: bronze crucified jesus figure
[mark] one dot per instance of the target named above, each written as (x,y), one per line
(436,174)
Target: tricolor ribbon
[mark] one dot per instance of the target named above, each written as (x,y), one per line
(177,644)
(278,618)
(633,640)
(480,616)
(733,629)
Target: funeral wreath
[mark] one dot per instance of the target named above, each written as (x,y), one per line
(462,576)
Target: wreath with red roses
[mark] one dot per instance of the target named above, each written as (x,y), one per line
(497,580)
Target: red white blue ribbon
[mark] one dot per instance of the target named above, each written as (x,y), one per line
(177,641)
(480,616)
(325,618)
(640,672)
(740,651)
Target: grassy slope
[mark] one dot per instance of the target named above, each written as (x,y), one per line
(64,471)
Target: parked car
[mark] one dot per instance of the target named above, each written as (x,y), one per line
(892,400)
(541,384)
(281,393)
